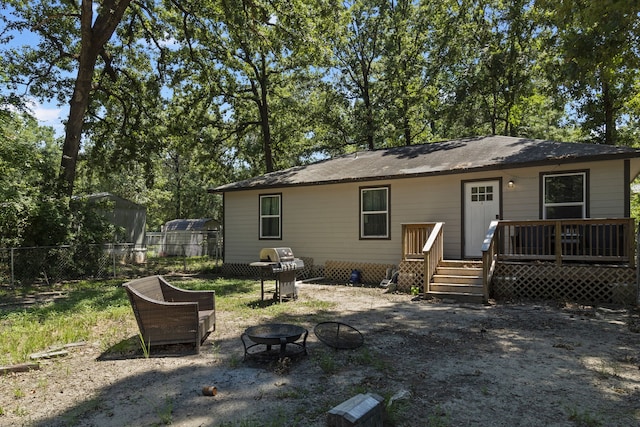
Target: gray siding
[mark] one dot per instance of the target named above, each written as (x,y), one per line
(322,221)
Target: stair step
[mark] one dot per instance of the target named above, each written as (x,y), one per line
(451,278)
(460,271)
(456,287)
(460,263)
(458,296)
(457,278)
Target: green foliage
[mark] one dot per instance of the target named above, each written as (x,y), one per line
(597,46)
(27,159)
(189,95)
(32,215)
(89,304)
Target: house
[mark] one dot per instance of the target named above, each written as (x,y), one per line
(361,210)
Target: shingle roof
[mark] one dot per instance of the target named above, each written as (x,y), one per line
(455,156)
(189,224)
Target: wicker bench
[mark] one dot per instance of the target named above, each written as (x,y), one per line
(170,315)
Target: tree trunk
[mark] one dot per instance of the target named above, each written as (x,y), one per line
(368,108)
(263,106)
(609,114)
(78,107)
(93,39)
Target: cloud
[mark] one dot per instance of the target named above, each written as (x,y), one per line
(49,115)
(44,114)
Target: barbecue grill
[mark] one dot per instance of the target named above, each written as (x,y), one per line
(281,263)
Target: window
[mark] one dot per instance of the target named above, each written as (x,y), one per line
(270,216)
(564,195)
(482,193)
(374,213)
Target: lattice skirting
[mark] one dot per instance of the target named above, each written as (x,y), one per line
(340,271)
(246,270)
(410,274)
(578,283)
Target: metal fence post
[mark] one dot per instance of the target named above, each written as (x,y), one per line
(637,254)
(12,274)
(113,259)
(184,258)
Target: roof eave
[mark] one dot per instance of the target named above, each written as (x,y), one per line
(498,166)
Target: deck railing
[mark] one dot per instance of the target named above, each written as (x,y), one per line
(609,240)
(433,252)
(423,242)
(490,249)
(414,237)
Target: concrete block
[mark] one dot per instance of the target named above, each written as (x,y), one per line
(362,410)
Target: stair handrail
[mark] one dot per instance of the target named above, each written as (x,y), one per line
(433,253)
(489,257)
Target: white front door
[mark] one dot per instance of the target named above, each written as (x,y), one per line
(481,206)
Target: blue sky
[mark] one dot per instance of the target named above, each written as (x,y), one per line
(47,113)
(50,115)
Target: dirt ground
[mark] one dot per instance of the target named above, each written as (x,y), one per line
(436,363)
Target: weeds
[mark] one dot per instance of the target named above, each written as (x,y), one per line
(77,414)
(275,420)
(20,411)
(327,363)
(234,361)
(440,418)
(583,419)
(607,370)
(165,412)
(146,347)
(366,358)
(89,308)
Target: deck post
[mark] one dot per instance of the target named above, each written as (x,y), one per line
(557,232)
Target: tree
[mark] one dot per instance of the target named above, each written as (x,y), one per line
(244,59)
(27,160)
(490,65)
(72,37)
(409,74)
(357,51)
(597,45)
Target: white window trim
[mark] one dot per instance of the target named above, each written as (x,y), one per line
(279,216)
(545,205)
(363,214)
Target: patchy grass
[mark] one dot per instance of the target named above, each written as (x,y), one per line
(95,311)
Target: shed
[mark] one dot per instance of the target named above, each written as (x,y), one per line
(129,216)
(189,237)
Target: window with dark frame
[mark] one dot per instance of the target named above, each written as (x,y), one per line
(564,195)
(374,213)
(270,216)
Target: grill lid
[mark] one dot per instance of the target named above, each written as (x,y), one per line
(276,254)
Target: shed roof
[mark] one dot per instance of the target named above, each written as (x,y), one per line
(196,224)
(438,158)
(121,202)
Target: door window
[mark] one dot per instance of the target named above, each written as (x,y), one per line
(483,193)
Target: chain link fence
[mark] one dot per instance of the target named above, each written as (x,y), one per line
(51,264)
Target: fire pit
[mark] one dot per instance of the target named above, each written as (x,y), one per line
(275,334)
(281,263)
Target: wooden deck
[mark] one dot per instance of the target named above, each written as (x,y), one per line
(582,260)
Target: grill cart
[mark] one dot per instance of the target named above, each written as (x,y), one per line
(281,264)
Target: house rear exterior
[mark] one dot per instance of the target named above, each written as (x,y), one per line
(352,209)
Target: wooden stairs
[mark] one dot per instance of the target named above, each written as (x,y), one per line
(458,280)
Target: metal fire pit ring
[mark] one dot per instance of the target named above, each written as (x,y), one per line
(339,335)
(271,334)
